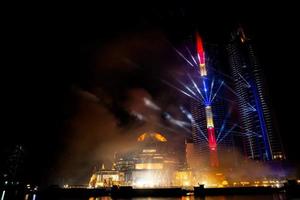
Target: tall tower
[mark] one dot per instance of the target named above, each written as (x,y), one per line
(203,114)
(260,140)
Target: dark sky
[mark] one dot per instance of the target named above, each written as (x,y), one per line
(49,53)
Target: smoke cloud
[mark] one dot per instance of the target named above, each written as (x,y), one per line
(95,133)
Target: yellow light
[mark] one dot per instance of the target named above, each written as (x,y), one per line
(245,182)
(203,70)
(185,198)
(264,182)
(149,166)
(149,150)
(186,183)
(142,137)
(156,136)
(224,182)
(160,137)
(209,117)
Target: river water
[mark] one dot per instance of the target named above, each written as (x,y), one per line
(233,197)
(280,196)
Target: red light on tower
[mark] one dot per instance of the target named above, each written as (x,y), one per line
(211,138)
(208,109)
(212,143)
(201,55)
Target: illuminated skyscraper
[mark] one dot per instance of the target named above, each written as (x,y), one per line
(200,144)
(261,142)
(222,124)
(211,117)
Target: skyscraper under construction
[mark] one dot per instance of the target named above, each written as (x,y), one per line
(260,141)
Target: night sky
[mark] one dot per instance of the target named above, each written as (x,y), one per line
(56,60)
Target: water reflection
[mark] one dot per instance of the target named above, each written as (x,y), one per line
(99,198)
(233,197)
(15,195)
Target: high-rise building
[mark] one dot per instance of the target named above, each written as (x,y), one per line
(200,144)
(223,126)
(212,113)
(260,140)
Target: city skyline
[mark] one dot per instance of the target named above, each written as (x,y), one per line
(93,72)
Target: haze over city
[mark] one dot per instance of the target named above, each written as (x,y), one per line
(181,88)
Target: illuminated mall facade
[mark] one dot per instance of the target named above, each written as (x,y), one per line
(150,164)
(153,163)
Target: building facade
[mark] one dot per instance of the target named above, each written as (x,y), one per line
(260,141)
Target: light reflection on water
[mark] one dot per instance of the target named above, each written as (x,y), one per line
(229,197)
(14,196)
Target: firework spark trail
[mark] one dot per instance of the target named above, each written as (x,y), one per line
(195,85)
(247,110)
(223,124)
(227,133)
(176,121)
(151,104)
(205,92)
(186,113)
(211,88)
(183,92)
(248,131)
(189,89)
(230,89)
(199,129)
(217,91)
(179,123)
(242,134)
(179,53)
(139,116)
(191,55)
(252,108)
(248,85)
(189,116)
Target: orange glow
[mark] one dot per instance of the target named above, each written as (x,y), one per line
(149,166)
(155,136)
